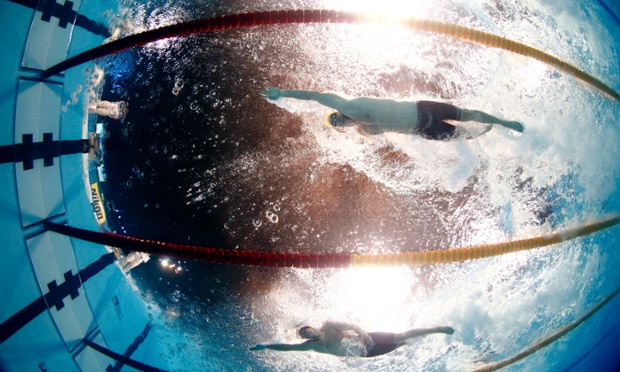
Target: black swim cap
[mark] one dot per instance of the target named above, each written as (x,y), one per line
(302,329)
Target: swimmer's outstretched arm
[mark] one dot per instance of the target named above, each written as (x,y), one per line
(305,346)
(326,99)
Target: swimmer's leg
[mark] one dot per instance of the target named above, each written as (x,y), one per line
(100,108)
(412,333)
(131,265)
(439,131)
(105,104)
(462,133)
(100,111)
(482,117)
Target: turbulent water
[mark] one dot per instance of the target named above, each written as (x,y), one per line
(202,158)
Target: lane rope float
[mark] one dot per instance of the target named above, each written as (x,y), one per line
(252,19)
(318,261)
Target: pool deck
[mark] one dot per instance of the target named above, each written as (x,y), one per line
(57,291)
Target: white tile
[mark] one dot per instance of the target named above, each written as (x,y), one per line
(52,256)
(39,189)
(37,109)
(47,43)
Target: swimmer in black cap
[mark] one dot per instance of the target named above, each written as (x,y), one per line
(375,115)
(342,339)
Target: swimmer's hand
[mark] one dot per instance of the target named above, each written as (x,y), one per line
(258,347)
(271,93)
(514,125)
(446,330)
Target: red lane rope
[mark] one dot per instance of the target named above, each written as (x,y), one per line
(234,257)
(324,16)
(215,255)
(201,26)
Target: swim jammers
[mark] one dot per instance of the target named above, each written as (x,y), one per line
(384,343)
(431,116)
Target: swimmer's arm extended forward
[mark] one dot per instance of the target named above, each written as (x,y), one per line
(326,99)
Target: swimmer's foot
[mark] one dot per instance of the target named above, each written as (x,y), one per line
(514,125)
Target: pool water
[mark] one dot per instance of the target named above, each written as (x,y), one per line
(202,159)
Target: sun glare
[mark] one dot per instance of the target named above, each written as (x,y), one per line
(389,8)
(378,297)
(378,40)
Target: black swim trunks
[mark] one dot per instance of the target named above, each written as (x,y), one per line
(384,343)
(431,116)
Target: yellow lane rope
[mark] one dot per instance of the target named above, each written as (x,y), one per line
(443,256)
(494,41)
(550,338)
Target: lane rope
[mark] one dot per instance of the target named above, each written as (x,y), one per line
(550,338)
(480,251)
(253,19)
(318,261)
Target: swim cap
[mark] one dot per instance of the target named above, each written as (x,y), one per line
(335,120)
(328,118)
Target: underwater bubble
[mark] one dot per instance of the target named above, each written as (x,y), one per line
(272,217)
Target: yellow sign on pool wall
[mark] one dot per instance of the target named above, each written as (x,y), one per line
(97,204)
